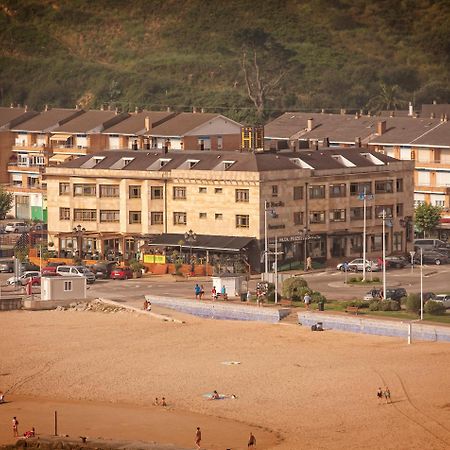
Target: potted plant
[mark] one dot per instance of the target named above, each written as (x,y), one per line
(136,267)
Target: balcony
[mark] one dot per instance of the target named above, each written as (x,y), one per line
(29,148)
(436,164)
(36,169)
(26,189)
(70,149)
(432,189)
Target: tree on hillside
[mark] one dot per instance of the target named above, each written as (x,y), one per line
(427,218)
(264,63)
(388,98)
(6,202)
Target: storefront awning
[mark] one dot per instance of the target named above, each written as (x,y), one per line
(59,158)
(202,242)
(60,137)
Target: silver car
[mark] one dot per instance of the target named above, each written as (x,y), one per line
(443,298)
(357,265)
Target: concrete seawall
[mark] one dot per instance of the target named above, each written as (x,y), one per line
(220,310)
(419,331)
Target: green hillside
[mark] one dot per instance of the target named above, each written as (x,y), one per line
(311,54)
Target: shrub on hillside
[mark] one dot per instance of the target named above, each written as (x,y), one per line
(357,303)
(317,297)
(384,305)
(435,308)
(293,288)
(413,303)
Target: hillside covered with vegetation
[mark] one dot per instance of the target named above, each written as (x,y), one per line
(241,57)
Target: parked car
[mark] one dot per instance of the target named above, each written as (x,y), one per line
(50,269)
(121,273)
(396,293)
(76,271)
(396,262)
(428,296)
(24,278)
(443,298)
(431,257)
(373,294)
(431,244)
(357,265)
(102,270)
(28,267)
(7,266)
(16,227)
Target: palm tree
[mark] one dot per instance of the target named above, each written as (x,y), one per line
(388,98)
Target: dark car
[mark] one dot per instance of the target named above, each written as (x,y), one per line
(7,266)
(396,262)
(121,273)
(102,270)
(27,267)
(396,293)
(431,257)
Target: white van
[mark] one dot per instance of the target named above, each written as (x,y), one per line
(16,227)
(76,271)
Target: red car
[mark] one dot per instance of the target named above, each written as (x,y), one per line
(121,273)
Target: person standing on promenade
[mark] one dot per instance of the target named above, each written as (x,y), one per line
(198,437)
(197,291)
(387,395)
(308,263)
(251,440)
(307,300)
(202,291)
(214,293)
(15,426)
(380,395)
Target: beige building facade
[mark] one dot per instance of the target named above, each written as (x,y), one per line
(122,199)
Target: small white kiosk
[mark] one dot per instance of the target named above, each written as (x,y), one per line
(232,283)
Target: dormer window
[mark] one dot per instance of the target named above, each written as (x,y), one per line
(344,161)
(189,164)
(122,163)
(224,165)
(373,159)
(92,162)
(301,163)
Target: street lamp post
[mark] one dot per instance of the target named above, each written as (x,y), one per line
(266,236)
(364,196)
(421,283)
(79,231)
(412,254)
(190,237)
(383,216)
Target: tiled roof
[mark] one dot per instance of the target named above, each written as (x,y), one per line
(10,117)
(91,122)
(48,120)
(181,124)
(135,124)
(437,110)
(241,162)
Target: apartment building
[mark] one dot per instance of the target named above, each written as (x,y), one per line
(31,153)
(120,199)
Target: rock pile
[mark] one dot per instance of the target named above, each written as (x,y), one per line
(93,305)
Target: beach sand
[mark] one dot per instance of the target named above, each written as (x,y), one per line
(296,389)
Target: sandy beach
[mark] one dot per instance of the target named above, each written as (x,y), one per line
(296,389)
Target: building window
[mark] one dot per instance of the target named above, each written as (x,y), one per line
(317,191)
(439,203)
(64,189)
(179,218)
(64,213)
(179,193)
(379,210)
(67,286)
(399,210)
(399,185)
(356,244)
(359,188)
(109,215)
(358,213)
(274,190)
(377,242)
(413,155)
(337,190)
(384,187)
(202,190)
(242,221)
(298,218)
(397,241)
(218,216)
(85,215)
(84,190)
(156,192)
(157,218)
(109,190)
(202,215)
(134,191)
(218,190)
(337,215)
(134,217)
(298,192)
(317,217)
(242,195)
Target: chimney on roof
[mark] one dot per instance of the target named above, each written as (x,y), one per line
(326,142)
(357,141)
(26,108)
(168,109)
(102,108)
(109,107)
(322,111)
(310,124)
(392,114)
(77,106)
(434,102)
(11,105)
(316,145)
(148,124)
(445,118)
(202,110)
(381,127)
(194,109)
(343,111)
(410,110)
(46,108)
(357,115)
(136,110)
(432,115)
(116,110)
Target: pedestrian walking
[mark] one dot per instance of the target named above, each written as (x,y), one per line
(309,263)
(380,395)
(214,293)
(251,440)
(307,300)
(387,395)
(198,437)
(15,427)
(197,291)
(202,291)
(249,296)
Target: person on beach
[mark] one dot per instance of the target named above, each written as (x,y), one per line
(251,440)
(215,396)
(145,305)
(202,291)
(2,397)
(198,437)
(163,401)
(15,426)
(387,395)
(307,300)
(156,402)
(214,293)
(380,395)
(249,296)
(197,291)
(224,293)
